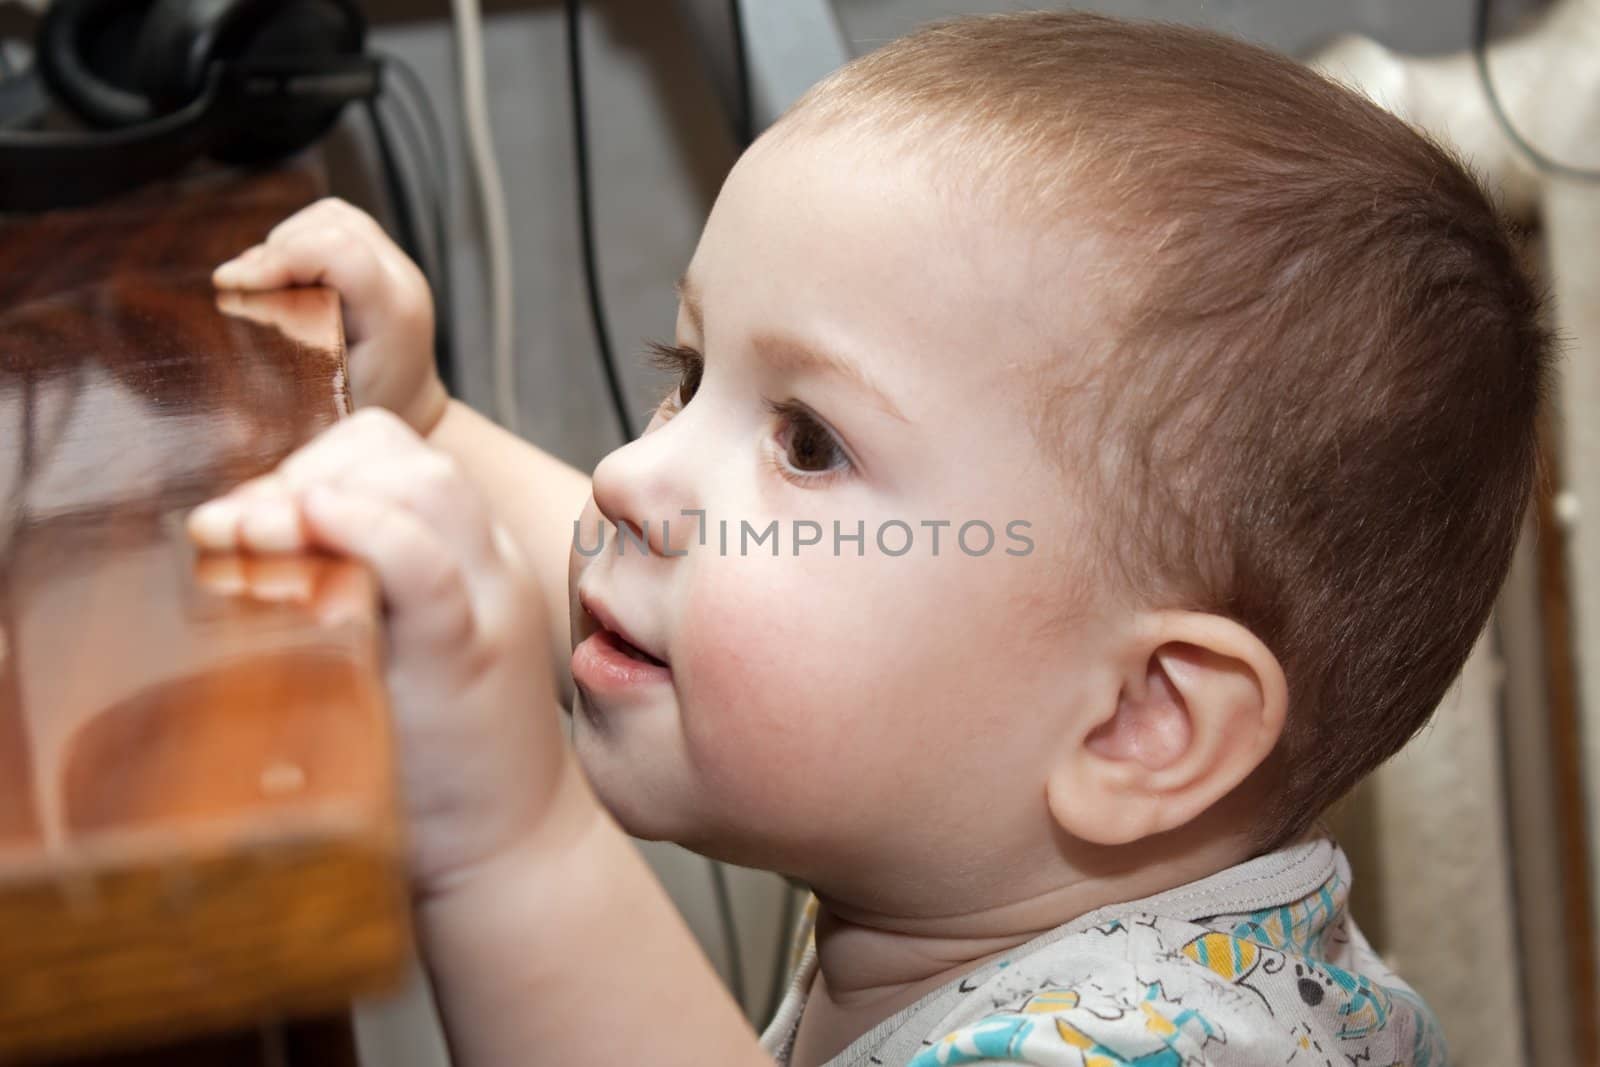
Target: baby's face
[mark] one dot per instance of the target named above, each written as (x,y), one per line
(868,346)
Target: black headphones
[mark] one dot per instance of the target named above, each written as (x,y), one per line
(242,81)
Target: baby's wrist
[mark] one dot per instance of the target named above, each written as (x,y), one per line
(542,845)
(525,893)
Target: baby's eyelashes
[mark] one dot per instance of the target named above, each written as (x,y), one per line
(686,363)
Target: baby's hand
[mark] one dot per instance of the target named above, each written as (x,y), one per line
(388,311)
(468,673)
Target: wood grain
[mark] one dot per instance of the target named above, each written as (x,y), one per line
(198,818)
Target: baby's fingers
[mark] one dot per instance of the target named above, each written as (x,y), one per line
(370,451)
(260,516)
(332,210)
(421,581)
(326,255)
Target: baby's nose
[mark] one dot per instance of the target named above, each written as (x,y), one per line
(645,494)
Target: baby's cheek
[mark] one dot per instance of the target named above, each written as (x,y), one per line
(769,677)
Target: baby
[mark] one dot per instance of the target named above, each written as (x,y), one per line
(1097,446)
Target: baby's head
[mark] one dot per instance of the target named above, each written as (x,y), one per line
(1185,406)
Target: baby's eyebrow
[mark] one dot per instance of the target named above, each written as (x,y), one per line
(689,296)
(794,357)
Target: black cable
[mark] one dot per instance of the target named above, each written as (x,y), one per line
(745,121)
(393,183)
(405,225)
(427,191)
(438,148)
(418,91)
(591,269)
(1480,55)
(439,278)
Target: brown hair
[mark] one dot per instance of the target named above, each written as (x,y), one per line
(1326,364)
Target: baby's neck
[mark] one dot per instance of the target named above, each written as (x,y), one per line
(871,965)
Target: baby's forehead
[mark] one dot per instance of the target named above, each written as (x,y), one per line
(920,205)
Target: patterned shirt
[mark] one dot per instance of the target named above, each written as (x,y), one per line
(1257,965)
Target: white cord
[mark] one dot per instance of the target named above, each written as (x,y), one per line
(491,194)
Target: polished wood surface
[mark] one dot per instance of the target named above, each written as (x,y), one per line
(198,817)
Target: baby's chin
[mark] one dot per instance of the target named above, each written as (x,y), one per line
(629,786)
(649,805)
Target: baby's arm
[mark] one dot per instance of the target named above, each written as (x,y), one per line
(388,315)
(570,952)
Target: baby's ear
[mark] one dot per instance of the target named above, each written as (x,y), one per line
(1201,705)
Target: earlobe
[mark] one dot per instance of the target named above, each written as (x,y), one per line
(1201,706)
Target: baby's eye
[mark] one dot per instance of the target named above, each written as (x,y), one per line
(686,363)
(811,452)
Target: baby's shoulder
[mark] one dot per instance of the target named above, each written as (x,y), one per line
(1292,983)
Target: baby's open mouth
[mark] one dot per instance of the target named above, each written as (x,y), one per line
(632,651)
(608,633)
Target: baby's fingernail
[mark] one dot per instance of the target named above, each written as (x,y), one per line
(214,523)
(224,578)
(271,525)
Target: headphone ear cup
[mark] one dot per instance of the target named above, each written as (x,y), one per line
(182,39)
(179,40)
(84,60)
